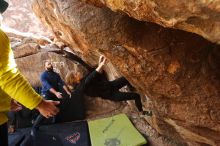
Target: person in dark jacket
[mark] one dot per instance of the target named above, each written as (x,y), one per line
(52,85)
(95,84)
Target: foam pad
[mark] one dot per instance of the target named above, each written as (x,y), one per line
(114,131)
(66,134)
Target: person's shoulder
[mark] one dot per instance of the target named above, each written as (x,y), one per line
(44,73)
(56,73)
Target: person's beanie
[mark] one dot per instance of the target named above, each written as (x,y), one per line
(3,6)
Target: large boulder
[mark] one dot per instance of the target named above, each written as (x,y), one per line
(200,17)
(30,58)
(20,16)
(177,71)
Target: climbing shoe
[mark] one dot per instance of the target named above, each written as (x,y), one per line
(147,113)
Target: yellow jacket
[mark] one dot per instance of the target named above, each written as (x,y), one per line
(12,83)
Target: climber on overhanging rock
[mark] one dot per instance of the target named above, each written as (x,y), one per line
(52,86)
(13,85)
(95,84)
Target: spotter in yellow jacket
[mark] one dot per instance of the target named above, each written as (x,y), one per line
(12,83)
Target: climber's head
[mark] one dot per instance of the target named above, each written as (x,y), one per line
(73,78)
(48,66)
(3,6)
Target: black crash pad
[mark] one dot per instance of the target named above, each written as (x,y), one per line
(66,134)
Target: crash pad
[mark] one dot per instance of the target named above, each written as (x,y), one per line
(65,134)
(114,131)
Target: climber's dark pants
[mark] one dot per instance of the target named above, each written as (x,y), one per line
(12,118)
(38,121)
(117,95)
(4,135)
(41,118)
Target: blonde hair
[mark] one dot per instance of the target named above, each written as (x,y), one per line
(72,78)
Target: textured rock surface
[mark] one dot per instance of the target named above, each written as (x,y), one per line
(201,17)
(30,58)
(176,70)
(20,16)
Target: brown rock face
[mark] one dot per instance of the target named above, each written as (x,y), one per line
(200,17)
(30,58)
(177,70)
